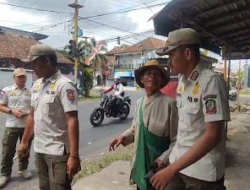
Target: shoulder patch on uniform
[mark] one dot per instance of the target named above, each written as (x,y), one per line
(194,75)
(2,93)
(211,107)
(210,104)
(210,96)
(71,95)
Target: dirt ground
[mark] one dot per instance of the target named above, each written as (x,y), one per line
(238,152)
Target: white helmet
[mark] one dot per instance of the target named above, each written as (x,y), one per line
(117,77)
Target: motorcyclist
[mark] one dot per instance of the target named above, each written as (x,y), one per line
(118,94)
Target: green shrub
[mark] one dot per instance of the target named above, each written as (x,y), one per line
(87,81)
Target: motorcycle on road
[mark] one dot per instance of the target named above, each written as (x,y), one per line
(232,95)
(106,109)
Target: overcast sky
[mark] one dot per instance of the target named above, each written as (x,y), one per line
(59,34)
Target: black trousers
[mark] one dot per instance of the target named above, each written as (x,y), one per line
(116,104)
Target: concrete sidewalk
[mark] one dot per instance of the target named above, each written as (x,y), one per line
(116,176)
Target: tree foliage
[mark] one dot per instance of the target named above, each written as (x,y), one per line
(97,64)
(87,80)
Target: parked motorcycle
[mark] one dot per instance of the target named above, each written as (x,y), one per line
(232,95)
(106,108)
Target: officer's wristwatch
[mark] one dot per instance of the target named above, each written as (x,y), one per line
(10,111)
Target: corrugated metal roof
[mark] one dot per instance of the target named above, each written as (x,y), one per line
(220,22)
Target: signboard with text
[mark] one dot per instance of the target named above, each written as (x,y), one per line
(124,73)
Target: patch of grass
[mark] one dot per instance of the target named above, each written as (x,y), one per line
(98,164)
(245,91)
(92,96)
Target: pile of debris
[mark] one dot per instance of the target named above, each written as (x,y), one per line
(245,107)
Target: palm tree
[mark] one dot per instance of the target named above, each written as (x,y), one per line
(99,62)
(85,47)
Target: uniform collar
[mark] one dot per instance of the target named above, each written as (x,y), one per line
(156,94)
(15,87)
(191,80)
(54,77)
(195,74)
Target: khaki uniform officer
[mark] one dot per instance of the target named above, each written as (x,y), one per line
(15,101)
(54,120)
(154,126)
(197,160)
(203,100)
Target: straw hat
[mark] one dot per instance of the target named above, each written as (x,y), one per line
(152,64)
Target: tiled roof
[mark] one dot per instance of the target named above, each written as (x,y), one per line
(111,60)
(16,46)
(33,35)
(117,49)
(148,44)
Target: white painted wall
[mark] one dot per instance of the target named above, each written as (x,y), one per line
(6,78)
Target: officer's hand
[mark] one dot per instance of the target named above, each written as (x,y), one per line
(23,151)
(160,164)
(73,166)
(17,113)
(116,142)
(162,178)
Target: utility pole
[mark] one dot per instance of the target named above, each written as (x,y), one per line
(225,62)
(76,6)
(238,87)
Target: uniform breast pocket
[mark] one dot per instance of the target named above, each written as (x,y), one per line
(191,113)
(34,100)
(49,104)
(26,100)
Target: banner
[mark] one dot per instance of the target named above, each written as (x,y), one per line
(94,52)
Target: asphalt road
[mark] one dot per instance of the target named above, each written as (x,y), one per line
(243,100)
(93,141)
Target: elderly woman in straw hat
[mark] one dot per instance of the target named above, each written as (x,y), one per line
(154,125)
